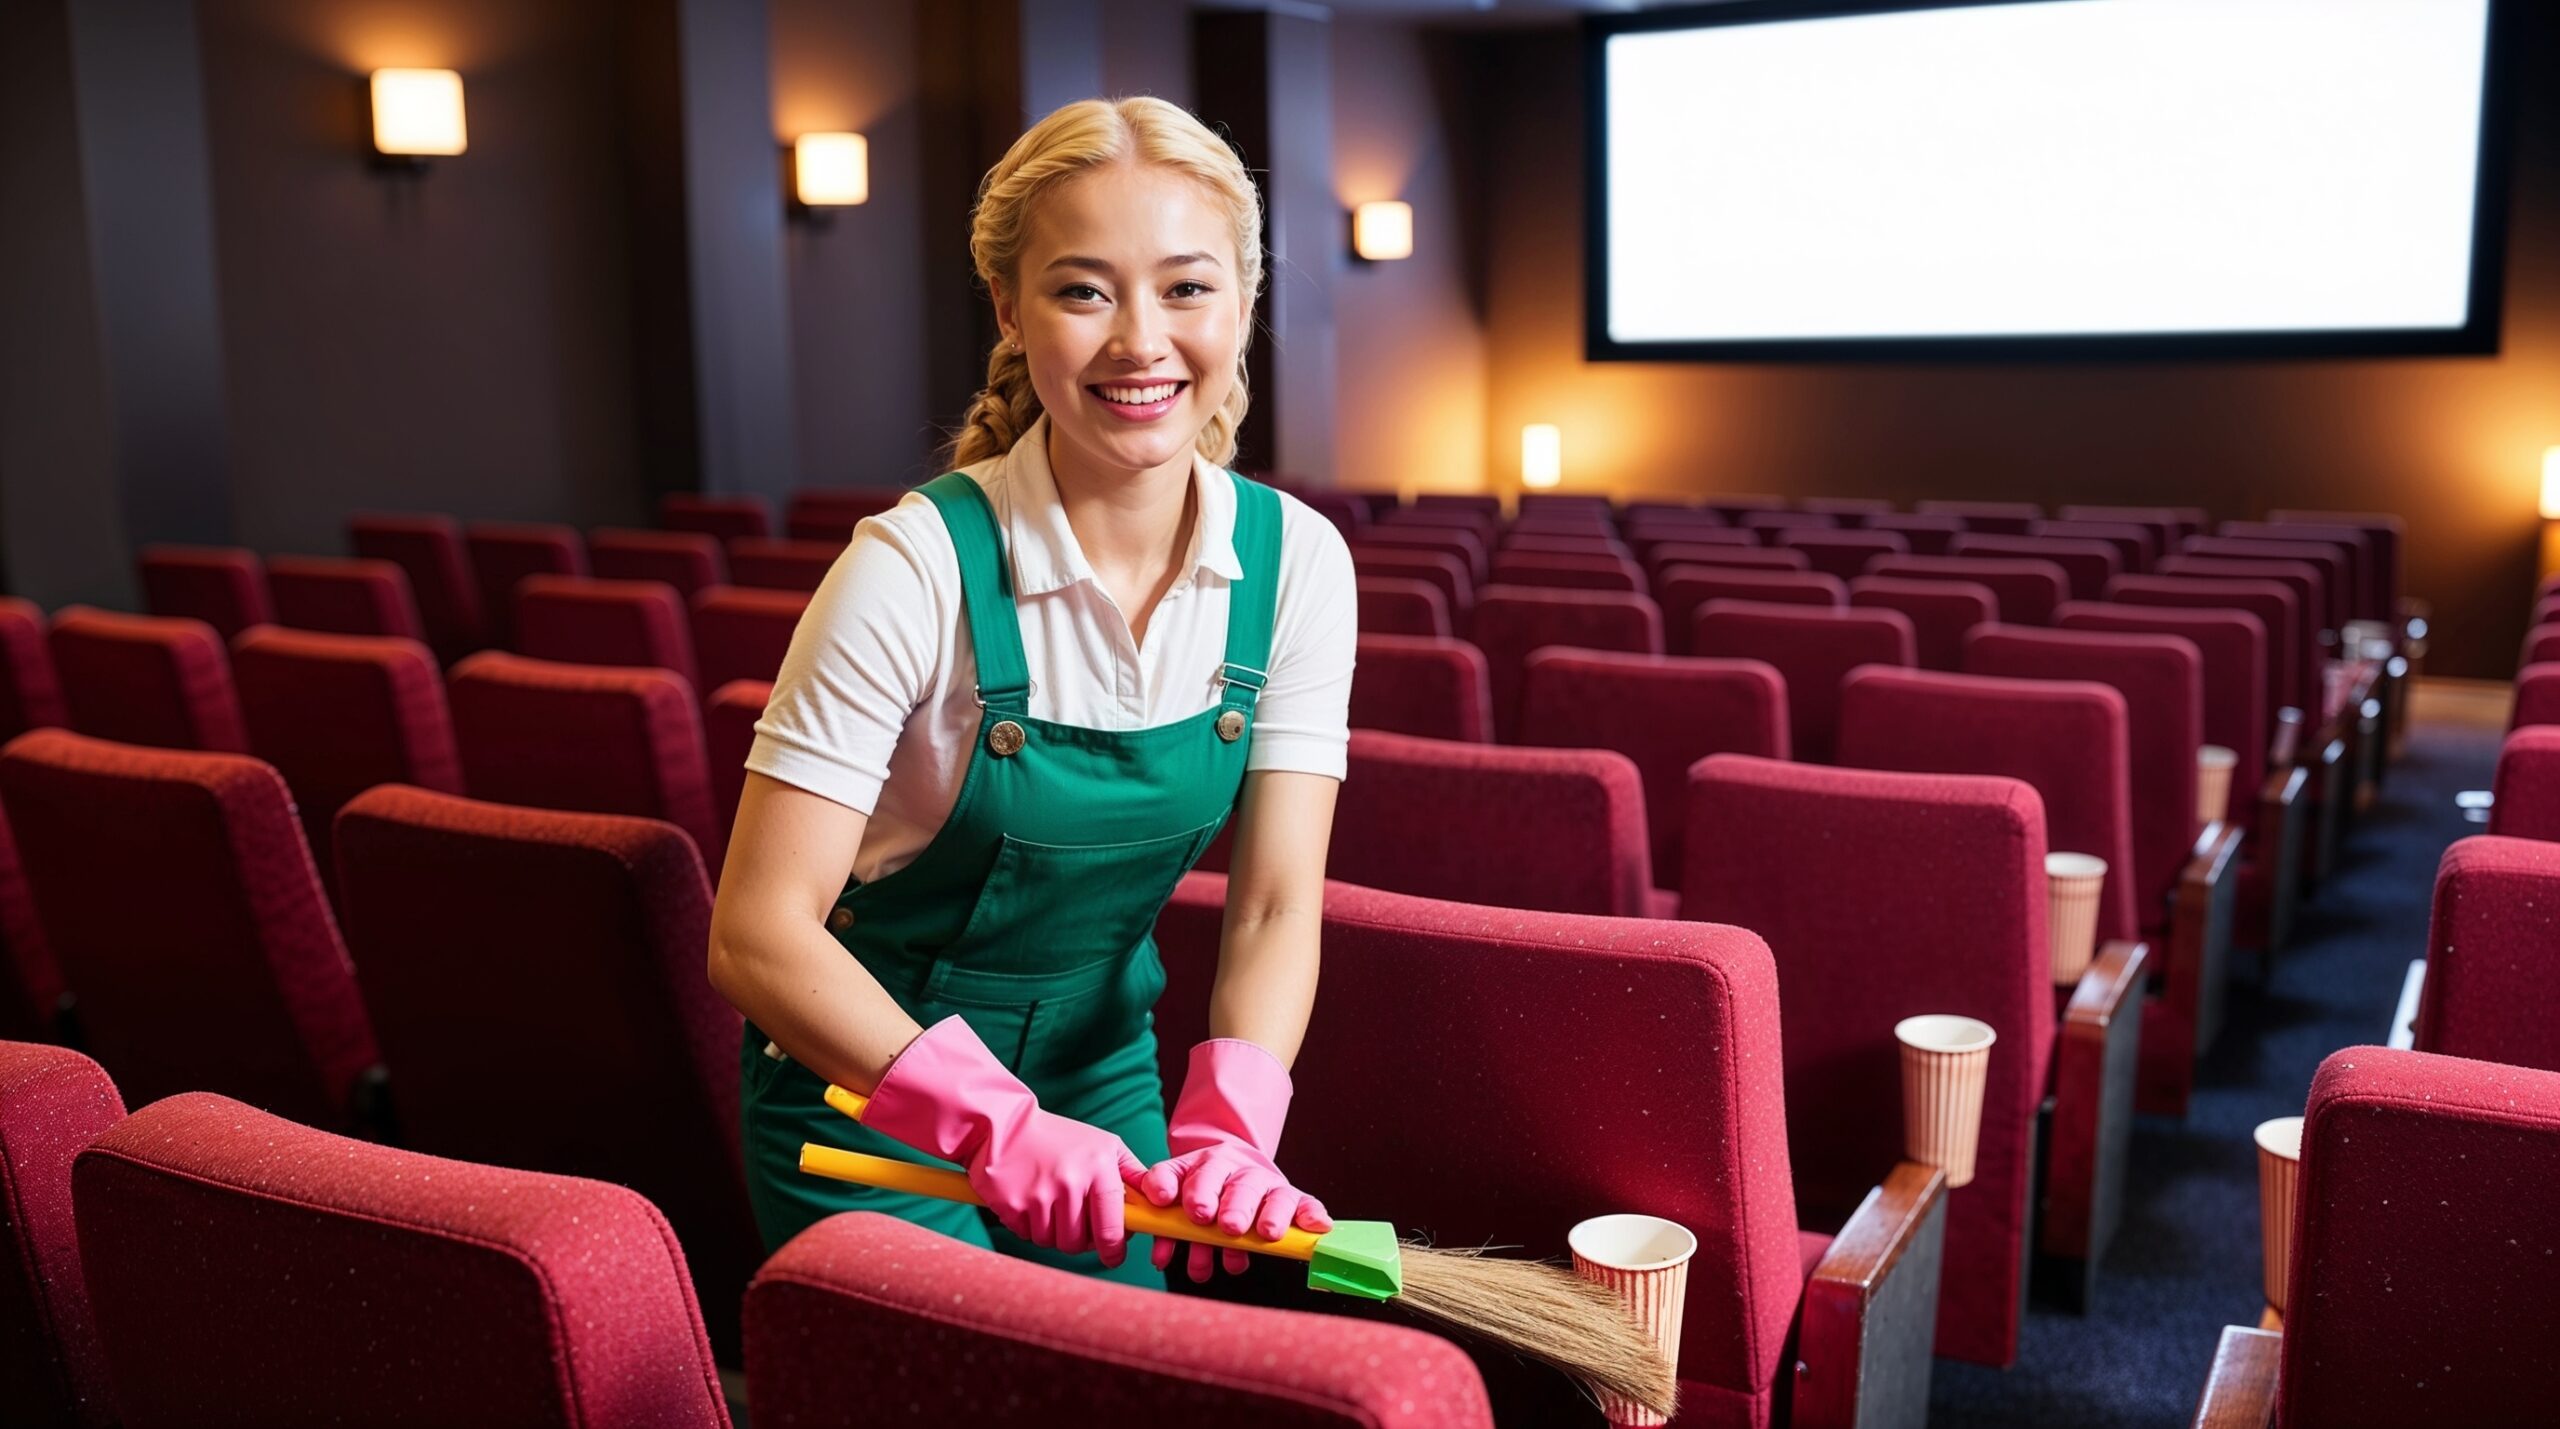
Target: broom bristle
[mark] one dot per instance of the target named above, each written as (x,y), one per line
(1545,1312)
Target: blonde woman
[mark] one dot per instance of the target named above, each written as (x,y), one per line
(1020,707)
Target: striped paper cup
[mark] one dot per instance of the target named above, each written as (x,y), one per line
(2072,881)
(1945,1059)
(1645,1259)
(2214,763)
(2279,1172)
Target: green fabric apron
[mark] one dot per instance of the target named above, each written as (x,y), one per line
(1032,912)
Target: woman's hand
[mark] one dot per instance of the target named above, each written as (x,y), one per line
(1223,1132)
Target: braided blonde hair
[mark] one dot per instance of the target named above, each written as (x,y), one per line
(1075,137)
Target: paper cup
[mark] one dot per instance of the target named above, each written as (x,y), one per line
(2072,881)
(2279,1172)
(1944,1061)
(1645,1260)
(2214,764)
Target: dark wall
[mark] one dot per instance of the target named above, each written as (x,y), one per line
(2452,444)
(455,340)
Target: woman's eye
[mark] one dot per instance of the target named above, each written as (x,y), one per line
(1189,289)
(1081,292)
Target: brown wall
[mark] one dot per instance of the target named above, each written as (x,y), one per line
(857,306)
(2452,444)
(453,341)
(1409,354)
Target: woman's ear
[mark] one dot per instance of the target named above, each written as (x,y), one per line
(1008,322)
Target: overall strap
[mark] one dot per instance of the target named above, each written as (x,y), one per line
(1253,599)
(986,585)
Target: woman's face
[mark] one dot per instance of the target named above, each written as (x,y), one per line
(1129,309)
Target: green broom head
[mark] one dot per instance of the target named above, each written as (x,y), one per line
(1359,1258)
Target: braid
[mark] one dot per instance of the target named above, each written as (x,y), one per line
(1004,409)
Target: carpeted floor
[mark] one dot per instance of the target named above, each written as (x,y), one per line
(2186,1261)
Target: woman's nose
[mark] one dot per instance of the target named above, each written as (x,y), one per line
(1140,335)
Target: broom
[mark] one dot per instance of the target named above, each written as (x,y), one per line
(1529,1307)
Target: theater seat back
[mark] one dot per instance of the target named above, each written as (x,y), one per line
(53,1101)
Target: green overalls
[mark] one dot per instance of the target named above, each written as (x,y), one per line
(1032,912)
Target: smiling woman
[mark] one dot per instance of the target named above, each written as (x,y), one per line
(1021,706)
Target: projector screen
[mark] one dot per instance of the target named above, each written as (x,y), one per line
(2041,176)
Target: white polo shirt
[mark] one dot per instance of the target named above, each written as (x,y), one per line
(876,705)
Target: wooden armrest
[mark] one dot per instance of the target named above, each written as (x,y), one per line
(2217,844)
(2240,1388)
(2112,978)
(1870,1312)
(2190,1013)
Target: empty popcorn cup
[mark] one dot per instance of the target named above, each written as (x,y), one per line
(2279,1172)
(2072,881)
(1645,1260)
(2214,764)
(1945,1060)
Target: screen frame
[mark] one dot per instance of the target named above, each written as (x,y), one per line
(2478,335)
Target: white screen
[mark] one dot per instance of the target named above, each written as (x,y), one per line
(2072,167)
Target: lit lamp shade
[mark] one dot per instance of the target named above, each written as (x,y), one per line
(2551,484)
(1382,230)
(832,170)
(1541,455)
(417,112)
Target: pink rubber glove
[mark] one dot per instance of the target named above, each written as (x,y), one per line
(1051,1180)
(1224,1130)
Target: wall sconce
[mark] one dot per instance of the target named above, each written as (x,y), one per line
(2551,484)
(417,114)
(830,170)
(1541,455)
(1382,231)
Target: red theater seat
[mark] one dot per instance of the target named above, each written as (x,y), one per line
(2028,589)
(503,553)
(1348,513)
(795,564)
(2334,600)
(1555,829)
(2526,789)
(1661,557)
(2168,524)
(1772,525)
(1928,535)
(2427,1184)
(31,991)
(344,597)
(1940,613)
(2385,536)
(1989,518)
(219,585)
(862,1299)
(2493,949)
(1483,507)
(229,975)
(1850,511)
(718,517)
(1556,571)
(597,622)
(590,738)
(338,714)
(1401,605)
(1682,590)
(1512,621)
(429,549)
(1811,649)
(687,560)
(1846,873)
(1420,685)
(1441,570)
(2137,545)
(2354,547)
(1663,712)
(30,691)
(2186,874)
(1460,542)
(1845,554)
(2087,565)
(2537,695)
(448,898)
(828,514)
(2270,602)
(1408,979)
(247,1270)
(1561,540)
(147,679)
(742,634)
(53,1375)
(729,733)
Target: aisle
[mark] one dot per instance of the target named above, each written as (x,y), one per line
(2186,1261)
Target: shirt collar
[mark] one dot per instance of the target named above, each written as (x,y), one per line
(1046,556)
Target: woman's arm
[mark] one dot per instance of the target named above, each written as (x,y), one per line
(1268,949)
(771,953)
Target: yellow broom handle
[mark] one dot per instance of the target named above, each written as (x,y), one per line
(1142,1216)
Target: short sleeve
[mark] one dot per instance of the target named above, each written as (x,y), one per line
(1302,719)
(862,660)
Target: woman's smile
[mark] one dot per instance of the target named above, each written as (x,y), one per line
(1139,401)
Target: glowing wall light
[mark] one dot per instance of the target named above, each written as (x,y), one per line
(417,113)
(2551,484)
(1383,230)
(1541,455)
(831,170)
